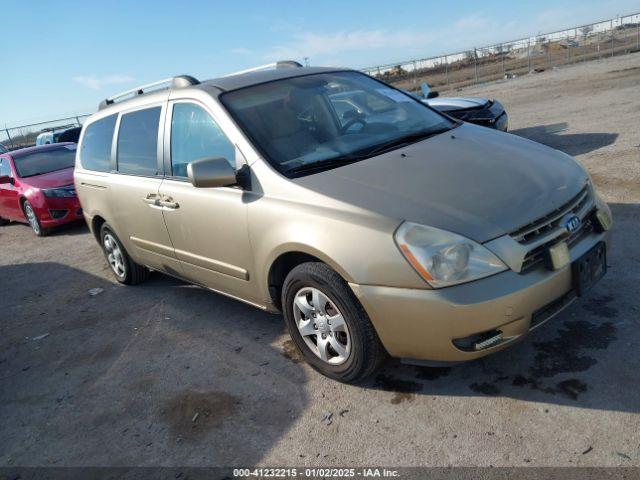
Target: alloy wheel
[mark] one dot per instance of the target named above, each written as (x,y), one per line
(31,218)
(114,255)
(322,326)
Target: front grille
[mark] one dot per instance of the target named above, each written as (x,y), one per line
(532,232)
(538,254)
(550,221)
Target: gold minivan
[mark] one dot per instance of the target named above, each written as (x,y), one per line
(375,224)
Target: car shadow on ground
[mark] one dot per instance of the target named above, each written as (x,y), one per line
(163,373)
(75,228)
(585,357)
(571,143)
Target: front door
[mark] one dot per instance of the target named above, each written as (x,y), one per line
(207,226)
(133,191)
(9,197)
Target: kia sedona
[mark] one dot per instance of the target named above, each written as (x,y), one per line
(389,230)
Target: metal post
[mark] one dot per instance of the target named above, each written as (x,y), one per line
(9,136)
(612,37)
(598,45)
(446,68)
(638,38)
(529,55)
(475,62)
(503,71)
(415,72)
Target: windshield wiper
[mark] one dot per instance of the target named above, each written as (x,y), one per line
(367,153)
(322,164)
(402,141)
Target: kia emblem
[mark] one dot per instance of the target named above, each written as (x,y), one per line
(572,223)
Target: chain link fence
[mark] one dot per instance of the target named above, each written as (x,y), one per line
(611,37)
(607,38)
(25,135)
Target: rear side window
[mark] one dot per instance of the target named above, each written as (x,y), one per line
(195,135)
(95,152)
(138,142)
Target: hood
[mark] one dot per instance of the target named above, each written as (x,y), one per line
(472,180)
(59,178)
(447,104)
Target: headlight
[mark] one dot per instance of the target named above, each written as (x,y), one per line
(443,258)
(62,192)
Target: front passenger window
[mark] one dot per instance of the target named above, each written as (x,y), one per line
(195,135)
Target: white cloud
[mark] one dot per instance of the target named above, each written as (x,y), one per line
(241,51)
(96,83)
(320,44)
(473,22)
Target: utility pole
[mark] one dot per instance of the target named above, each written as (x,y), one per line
(612,37)
(475,62)
(9,135)
(446,65)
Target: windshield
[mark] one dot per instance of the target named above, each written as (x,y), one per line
(2,149)
(329,119)
(38,163)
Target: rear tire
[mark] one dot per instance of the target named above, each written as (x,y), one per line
(3,221)
(34,221)
(122,266)
(359,352)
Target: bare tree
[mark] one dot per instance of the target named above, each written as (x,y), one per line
(586,30)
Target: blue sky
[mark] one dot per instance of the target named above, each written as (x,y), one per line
(65,56)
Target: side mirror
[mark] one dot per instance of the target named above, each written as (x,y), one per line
(6,179)
(433,94)
(211,173)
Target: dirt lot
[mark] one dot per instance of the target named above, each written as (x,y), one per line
(117,378)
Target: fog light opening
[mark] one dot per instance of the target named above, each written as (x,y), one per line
(56,214)
(479,341)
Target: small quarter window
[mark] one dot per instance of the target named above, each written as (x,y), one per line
(138,142)
(95,152)
(195,135)
(5,168)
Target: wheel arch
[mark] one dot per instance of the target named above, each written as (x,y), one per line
(285,260)
(96,224)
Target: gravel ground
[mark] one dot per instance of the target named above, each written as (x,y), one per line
(169,374)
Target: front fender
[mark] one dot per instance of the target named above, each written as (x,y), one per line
(360,247)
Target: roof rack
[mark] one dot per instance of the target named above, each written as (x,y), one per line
(268,66)
(180,81)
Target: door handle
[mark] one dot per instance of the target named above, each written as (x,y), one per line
(152,199)
(168,203)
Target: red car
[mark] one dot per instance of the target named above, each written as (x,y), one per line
(36,185)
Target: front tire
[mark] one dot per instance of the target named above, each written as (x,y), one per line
(122,266)
(33,219)
(329,325)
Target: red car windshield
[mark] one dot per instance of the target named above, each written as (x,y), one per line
(38,163)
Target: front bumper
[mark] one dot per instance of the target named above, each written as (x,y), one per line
(493,116)
(422,324)
(59,211)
